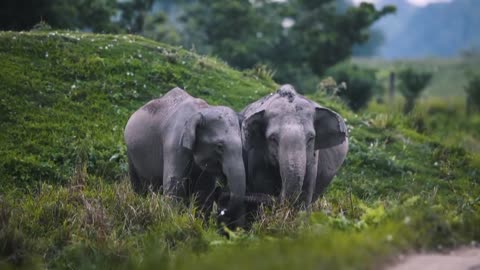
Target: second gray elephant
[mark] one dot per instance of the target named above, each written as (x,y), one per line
(293,146)
(181,144)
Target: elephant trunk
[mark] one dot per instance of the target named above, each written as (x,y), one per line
(234,171)
(292,162)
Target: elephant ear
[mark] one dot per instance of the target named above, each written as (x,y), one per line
(330,128)
(189,131)
(240,118)
(253,129)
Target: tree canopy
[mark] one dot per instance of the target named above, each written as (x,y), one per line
(297,39)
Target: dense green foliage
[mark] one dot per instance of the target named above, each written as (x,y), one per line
(70,14)
(299,39)
(361,84)
(65,202)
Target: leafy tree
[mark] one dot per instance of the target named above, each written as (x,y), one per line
(361,84)
(412,84)
(233,30)
(473,93)
(133,14)
(91,15)
(299,39)
(157,27)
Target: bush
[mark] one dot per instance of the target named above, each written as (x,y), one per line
(412,84)
(361,84)
(473,93)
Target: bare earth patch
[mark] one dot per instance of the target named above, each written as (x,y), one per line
(462,259)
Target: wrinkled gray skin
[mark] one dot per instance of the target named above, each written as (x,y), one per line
(293,146)
(181,144)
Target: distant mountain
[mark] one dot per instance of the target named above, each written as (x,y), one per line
(438,30)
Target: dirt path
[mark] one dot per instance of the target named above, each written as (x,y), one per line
(462,259)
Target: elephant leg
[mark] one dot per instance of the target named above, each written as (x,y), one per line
(177,165)
(138,184)
(309,183)
(202,188)
(262,179)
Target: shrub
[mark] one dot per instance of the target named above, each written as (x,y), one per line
(473,93)
(412,84)
(360,84)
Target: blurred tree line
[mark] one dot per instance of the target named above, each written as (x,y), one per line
(299,40)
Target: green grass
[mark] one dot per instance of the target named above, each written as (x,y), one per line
(449,75)
(65,201)
(65,93)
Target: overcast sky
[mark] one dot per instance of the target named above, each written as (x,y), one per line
(414,2)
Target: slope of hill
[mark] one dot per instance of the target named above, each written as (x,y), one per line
(436,30)
(65,203)
(64,93)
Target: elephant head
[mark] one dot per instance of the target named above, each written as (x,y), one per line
(213,136)
(288,129)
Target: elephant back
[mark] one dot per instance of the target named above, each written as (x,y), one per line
(164,104)
(286,92)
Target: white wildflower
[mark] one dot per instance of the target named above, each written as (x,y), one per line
(389,238)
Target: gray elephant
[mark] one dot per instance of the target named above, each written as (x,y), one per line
(293,147)
(181,144)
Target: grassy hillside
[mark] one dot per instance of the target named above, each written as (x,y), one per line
(65,201)
(449,75)
(66,96)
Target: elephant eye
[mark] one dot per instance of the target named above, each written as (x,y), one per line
(273,138)
(219,147)
(310,138)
